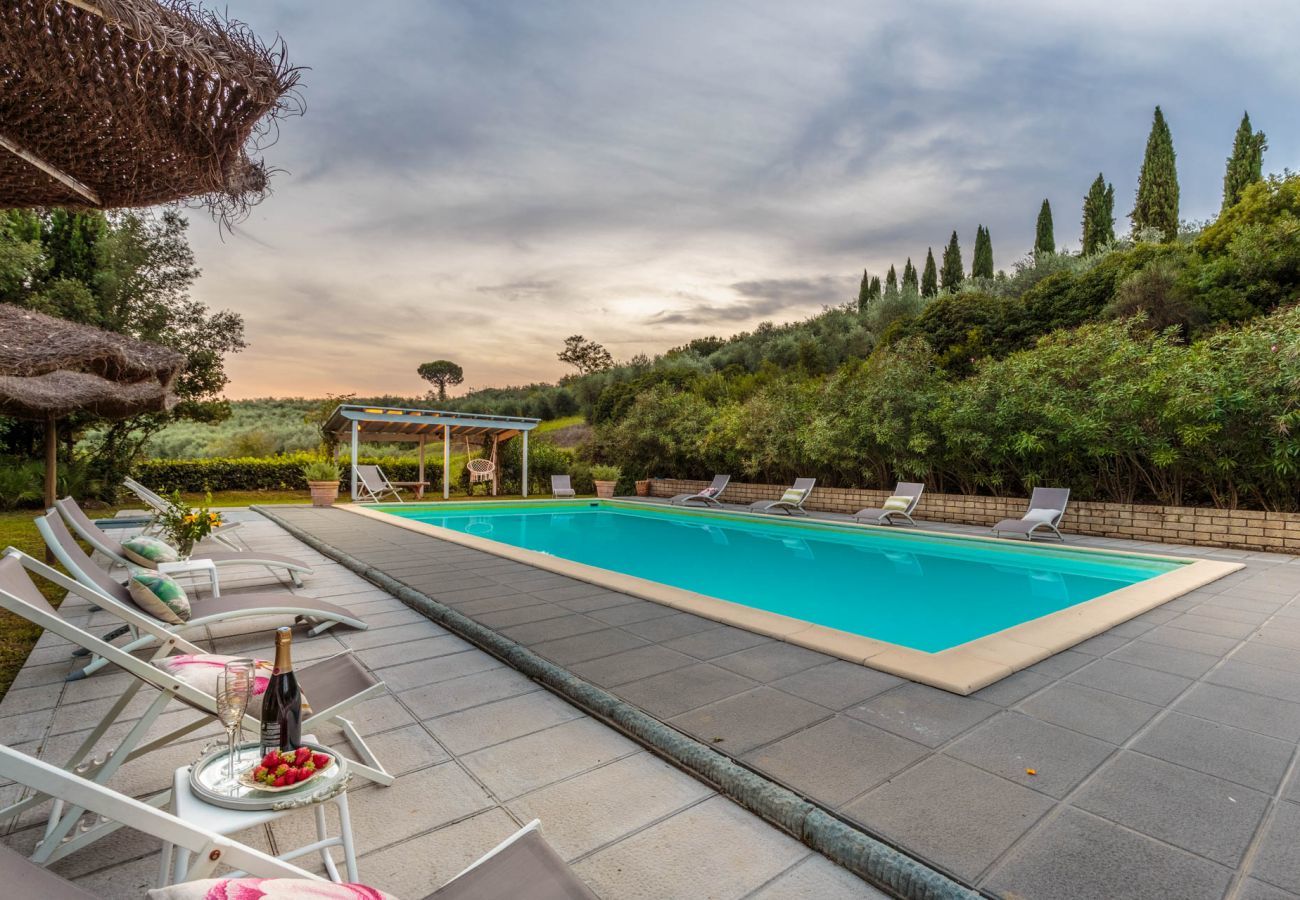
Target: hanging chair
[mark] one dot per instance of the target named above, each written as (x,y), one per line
(482,470)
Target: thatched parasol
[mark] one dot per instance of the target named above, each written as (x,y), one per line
(123,103)
(50,368)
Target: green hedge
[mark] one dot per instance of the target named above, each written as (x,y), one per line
(252,474)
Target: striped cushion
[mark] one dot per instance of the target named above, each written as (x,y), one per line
(897,503)
(793,495)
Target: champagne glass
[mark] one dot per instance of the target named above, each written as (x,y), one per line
(234,692)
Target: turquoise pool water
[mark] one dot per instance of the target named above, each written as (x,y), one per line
(921,591)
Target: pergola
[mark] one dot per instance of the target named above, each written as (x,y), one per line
(357,423)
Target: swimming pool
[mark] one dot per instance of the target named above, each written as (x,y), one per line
(905,591)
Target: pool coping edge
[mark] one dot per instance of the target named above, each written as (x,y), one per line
(962,669)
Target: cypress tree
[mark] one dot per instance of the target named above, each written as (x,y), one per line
(1246,164)
(1098,216)
(930,277)
(1156,205)
(874,290)
(951,273)
(1044,238)
(864,291)
(981,264)
(909,274)
(891,283)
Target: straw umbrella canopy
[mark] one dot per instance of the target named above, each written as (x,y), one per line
(51,368)
(107,104)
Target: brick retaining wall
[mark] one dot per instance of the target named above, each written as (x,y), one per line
(1243,529)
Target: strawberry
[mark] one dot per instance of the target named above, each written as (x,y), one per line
(259,772)
(303,754)
(320,760)
(281,769)
(308,766)
(280,782)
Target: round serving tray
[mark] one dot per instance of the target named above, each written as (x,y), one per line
(210,771)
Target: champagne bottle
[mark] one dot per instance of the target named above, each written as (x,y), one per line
(282,702)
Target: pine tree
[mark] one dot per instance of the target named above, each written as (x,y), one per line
(874,291)
(1098,216)
(891,283)
(1044,238)
(930,277)
(909,275)
(981,264)
(951,273)
(864,291)
(1156,205)
(1246,164)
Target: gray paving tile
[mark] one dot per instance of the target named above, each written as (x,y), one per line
(1277,861)
(1256,679)
(770,661)
(961,817)
(1101,714)
(492,723)
(1061,860)
(1254,712)
(591,645)
(638,611)
(1129,680)
(429,671)
(631,665)
(817,877)
(665,628)
(544,757)
(475,689)
(1198,641)
(717,642)
(672,693)
(1014,688)
(1231,753)
(714,847)
(1175,660)
(1061,664)
(531,633)
(837,684)
(1253,889)
(1200,813)
(1270,656)
(1101,644)
(741,723)
(1213,625)
(835,760)
(1010,744)
(521,615)
(921,713)
(597,601)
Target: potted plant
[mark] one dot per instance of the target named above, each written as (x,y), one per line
(323,478)
(185,526)
(606,478)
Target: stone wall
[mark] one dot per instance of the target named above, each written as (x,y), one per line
(1238,528)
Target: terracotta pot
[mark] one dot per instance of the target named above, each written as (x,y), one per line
(643,487)
(323,493)
(605,488)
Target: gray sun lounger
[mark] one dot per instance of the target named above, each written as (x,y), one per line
(1046,510)
(708,496)
(562,486)
(913,489)
(85,528)
(210,611)
(160,505)
(789,507)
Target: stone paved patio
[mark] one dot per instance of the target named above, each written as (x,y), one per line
(1165,748)
(478,749)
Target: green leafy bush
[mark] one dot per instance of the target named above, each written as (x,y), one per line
(606,473)
(276,473)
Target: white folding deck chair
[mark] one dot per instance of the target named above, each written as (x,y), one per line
(333,685)
(160,505)
(86,529)
(373,485)
(59,540)
(25,878)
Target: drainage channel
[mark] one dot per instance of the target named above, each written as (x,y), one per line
(867,857)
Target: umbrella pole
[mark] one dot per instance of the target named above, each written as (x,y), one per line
(51,469)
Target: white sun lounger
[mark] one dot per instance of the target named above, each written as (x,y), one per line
(562,486)
(209,611)
(910,489)
(160,505)
(1046,510)
(708,496)
(794,504)
(85,528)
(334,685)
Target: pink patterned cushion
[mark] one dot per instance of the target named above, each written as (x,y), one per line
(201,671)
(269,888)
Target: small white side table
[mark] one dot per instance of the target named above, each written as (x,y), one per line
(194,567)
(194,810)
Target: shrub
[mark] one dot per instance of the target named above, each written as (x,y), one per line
(606,473)
(321,470)
(277,473)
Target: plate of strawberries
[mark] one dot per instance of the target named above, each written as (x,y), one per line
(287,770)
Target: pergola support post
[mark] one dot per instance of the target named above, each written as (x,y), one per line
(524,484)
(356,431)
(419,491)
(446,462)
(496,466)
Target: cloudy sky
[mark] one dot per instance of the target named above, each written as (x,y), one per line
(478,180)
